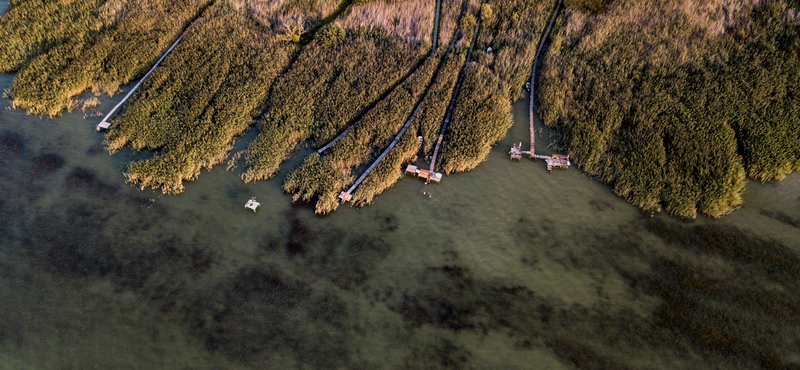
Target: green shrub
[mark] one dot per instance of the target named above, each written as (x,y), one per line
(486,12)
(330,34)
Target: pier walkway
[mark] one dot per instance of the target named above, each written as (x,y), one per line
(346,196)
(105,124)
(456,91)
(556,160)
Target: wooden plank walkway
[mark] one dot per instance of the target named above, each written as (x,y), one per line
(456,90)
(338,137)
(105,124)
(533,73)
(556,160)
(348,195)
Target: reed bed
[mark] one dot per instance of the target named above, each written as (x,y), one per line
(431,115)
(481,118)
(448,20)
(388,172)
(324,177)
(62,49)
(206,93)
(673,102)
(326,89)
(427,124)
(513,30)
(410,20)
(278,14)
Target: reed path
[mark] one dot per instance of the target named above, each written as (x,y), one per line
(396,85)
(105,124)
(456,90)
(533,75)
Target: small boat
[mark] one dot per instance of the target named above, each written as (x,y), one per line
(527,86)
(252,204)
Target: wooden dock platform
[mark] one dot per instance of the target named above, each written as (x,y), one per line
(424,174)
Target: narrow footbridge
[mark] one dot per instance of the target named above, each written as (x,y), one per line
(556,160)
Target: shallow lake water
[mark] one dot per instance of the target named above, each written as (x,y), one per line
(505,267)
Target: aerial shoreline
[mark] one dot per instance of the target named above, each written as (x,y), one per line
(332,63)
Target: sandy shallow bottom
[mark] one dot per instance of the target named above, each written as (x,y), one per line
(506,267)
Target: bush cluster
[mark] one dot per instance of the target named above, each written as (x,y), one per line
(330,34)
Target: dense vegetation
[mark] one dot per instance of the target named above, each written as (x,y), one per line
(61,49)
(327,88)
(482,114)
(482,118)
(206,93)
(427,124)
(324,177)
(672,102)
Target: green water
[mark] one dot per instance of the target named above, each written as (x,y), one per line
(506,267)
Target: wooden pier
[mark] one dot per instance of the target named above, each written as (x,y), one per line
(423,174)
(556,160)
(457,88)
(105,124)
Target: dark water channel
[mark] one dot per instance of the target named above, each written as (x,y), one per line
(506,267)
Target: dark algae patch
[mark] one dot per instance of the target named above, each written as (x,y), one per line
(11,142)
(47,163)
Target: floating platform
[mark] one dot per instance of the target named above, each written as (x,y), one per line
(557,161)
(252,204)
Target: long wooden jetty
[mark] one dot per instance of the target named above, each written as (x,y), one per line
(105,124)
(347,195)
(556,160)
(456,91)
